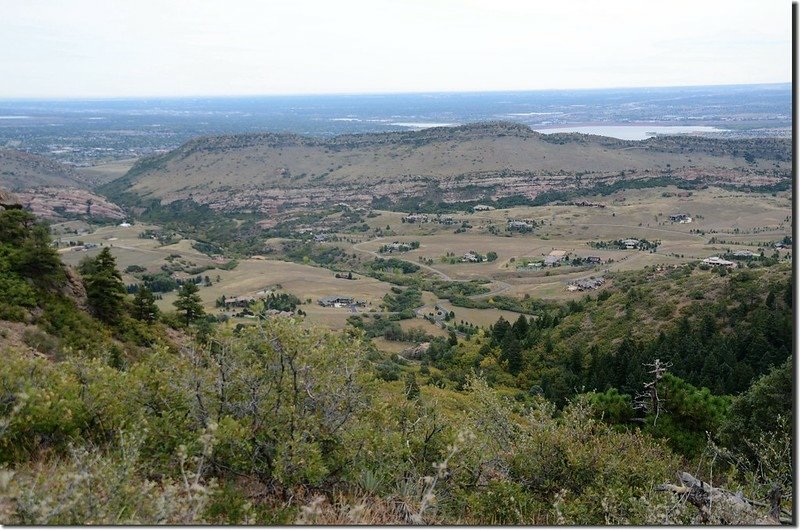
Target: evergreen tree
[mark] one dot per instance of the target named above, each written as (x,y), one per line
(511,352)
(499,330)
(26,249)
(521,328)
(104,288)
(189,302)
(452,339)
(144,306)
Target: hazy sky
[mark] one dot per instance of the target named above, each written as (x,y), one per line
(119,48)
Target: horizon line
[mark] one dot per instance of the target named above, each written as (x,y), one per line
(386,93)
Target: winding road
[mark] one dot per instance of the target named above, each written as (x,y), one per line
(501,286)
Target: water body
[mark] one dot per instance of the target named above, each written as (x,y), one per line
(632,132)
(422,125)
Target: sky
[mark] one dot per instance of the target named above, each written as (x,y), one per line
(145,48)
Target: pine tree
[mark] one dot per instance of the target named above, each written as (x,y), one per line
(104,288)
(499,330)
(511,352)
(144,306)
(520,328)
(189,302)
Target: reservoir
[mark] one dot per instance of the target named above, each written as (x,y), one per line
(631,132)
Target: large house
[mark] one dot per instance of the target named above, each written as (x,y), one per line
(555,257)
(586,285)
(680,218)
(520,226)
(239,301)
(415,218)
(630,243)
(336,301)
(716,261)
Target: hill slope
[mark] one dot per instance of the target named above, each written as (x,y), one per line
(22,171)
(266,171)
(52,190)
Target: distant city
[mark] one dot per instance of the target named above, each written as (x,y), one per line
(87,132)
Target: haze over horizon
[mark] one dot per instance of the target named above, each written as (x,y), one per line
(113,49)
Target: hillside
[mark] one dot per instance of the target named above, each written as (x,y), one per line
(52,190)
(22,171)
(263,172)
(185,418)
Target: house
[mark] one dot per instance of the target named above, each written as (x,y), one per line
(319,238)
(586,284)
(680,218)
(551,261)
(519,226)
(555,257)
(336,301)
(630,243)
(471,257)
(239,301)
(593,259)
(397,247)
(482,208)
(716,261)
(125,225)
(415,218)
(744,254)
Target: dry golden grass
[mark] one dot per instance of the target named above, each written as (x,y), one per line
(758,217)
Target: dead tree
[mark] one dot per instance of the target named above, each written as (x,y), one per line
(719,506)
(649,401)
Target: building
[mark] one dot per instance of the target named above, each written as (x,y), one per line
(555,257)
(593,259)
(415,218)
(482,208)
(125,225)
(519,226)
(396,247)
(586,285)
(239,301)
(680,218)
(471,257)
(336,301)
(716,261)
(630,243)
(744,254)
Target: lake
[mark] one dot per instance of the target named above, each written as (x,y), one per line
(631,132)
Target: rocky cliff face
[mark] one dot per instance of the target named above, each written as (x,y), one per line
(7,199)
